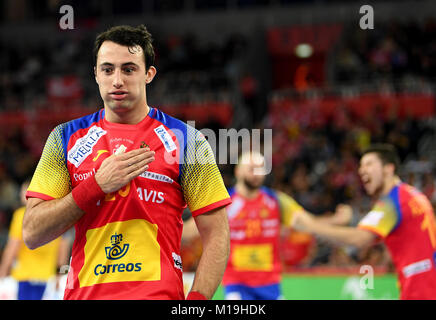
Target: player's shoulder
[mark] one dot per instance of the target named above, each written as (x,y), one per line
(270,192)
(167,120)
(85,121)
(399,193)
(407,189)
(231,191)
(389,202)
(186,133)
(76,124)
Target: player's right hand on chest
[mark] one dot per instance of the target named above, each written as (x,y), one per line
(119,169)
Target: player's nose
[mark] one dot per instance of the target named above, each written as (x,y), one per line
(117,81)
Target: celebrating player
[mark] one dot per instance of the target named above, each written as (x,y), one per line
(122,176)
(402,217)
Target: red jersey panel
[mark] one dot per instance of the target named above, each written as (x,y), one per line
(128,245)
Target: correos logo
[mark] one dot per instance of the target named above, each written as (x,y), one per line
(113,268)
(115,252)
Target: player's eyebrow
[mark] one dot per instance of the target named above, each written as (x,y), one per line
(123,65)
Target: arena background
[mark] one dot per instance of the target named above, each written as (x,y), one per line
(304,69)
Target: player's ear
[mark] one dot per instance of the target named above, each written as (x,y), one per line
(390,167)
(95,74)
(238,170)
(151,72)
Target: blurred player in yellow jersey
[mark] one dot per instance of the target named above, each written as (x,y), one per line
(31,268)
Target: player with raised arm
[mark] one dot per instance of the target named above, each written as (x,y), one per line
(402,217)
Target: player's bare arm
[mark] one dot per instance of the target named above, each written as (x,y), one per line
(358,238)
(341,217)
(44,221)
(214,231)
(190,230)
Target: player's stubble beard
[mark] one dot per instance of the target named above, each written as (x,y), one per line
(251,186)
(378,189)
(119,106)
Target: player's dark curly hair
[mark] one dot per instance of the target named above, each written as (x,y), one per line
(130,37)
(386,152)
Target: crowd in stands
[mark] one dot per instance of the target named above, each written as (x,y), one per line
(401,54)
(315,159)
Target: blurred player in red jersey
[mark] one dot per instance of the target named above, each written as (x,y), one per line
(123,176)
(256,217)
(401,216)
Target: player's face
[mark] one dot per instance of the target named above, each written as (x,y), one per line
(372,173)
(249,174)
(121,76)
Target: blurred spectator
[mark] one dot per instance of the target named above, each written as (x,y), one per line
(398,51)
(31,268)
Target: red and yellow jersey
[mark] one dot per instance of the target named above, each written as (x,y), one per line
(128,245)
(405,220)
(255,237)
(32,265)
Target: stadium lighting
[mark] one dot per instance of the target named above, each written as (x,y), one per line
(303,50)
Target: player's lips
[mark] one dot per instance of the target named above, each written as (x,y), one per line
(118,95)
(365,179)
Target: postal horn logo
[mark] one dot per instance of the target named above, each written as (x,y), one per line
(115,252)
